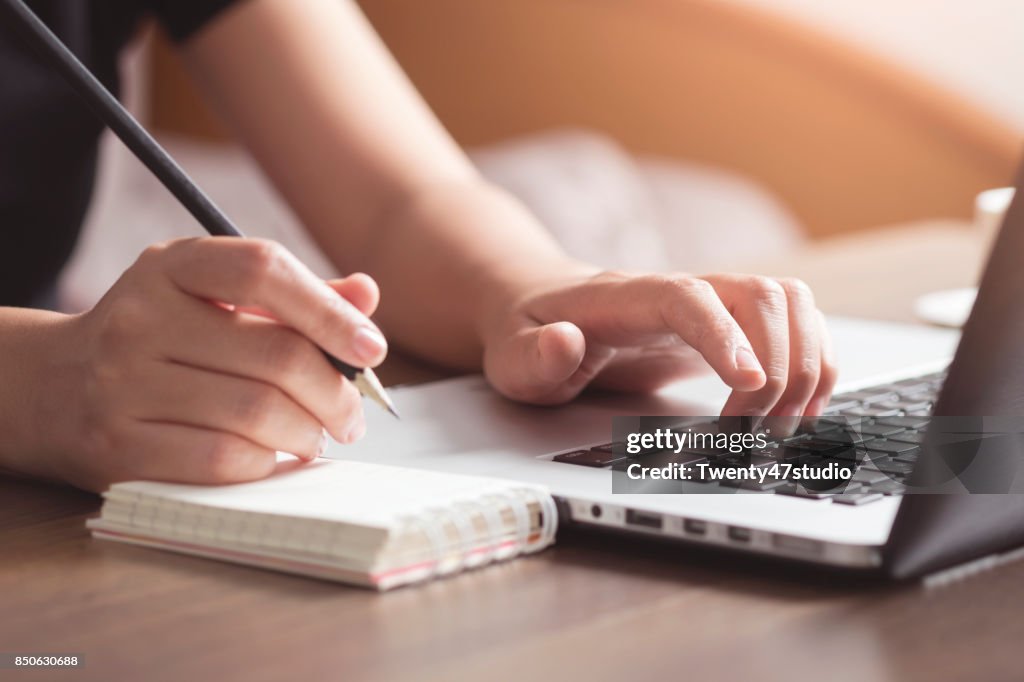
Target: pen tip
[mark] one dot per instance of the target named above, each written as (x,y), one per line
(368,384)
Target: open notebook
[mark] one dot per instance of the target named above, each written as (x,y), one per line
(366,524)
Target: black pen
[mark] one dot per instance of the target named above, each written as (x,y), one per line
(156,158)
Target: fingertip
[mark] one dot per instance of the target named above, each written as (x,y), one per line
(365,284)
(816,407)
(746,361)
(535,364)
(560,346)
(360,290)
(370,346)
(749,375)
(749,381)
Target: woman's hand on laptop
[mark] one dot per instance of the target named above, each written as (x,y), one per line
(200,363)
(764,337)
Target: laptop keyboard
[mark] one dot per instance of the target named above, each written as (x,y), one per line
(880,428)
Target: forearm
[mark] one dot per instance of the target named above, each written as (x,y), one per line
(333,121)
(368,169)
(452,258)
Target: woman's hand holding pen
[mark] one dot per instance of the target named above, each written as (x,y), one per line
(764,337)
(168,379)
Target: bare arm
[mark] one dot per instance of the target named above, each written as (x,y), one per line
(467,276)
(375,178)
(172,377)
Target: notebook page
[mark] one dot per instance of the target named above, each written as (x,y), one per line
(355,493)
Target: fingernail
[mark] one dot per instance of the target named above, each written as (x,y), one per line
(369,344)
(321,447)
(747,361)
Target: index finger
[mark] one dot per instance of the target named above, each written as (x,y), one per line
(263,274)
(632,311)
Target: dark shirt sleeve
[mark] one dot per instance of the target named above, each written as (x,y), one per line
(182,18)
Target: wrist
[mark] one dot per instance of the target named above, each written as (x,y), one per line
(453,259)
(34,378)
(521,260)
(506,292)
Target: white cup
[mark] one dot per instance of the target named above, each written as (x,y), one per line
(990,208)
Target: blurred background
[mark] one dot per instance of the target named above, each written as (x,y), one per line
(658,134)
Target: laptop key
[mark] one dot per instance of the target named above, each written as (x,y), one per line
(758,462)
(783,453)
(889,487)
(905,405)
(915,437)
(911,387)
(869,476)
(703,427)
(905,422)
(818,425)
(879,430)
(871,412)
(815,445)
(850,453)
(844,488)
(893,468)
(869,396)
(846,420)
(838,405)
(890,447)
(856,499)
(910,457)
(589,458)
(799,491)
(844,437)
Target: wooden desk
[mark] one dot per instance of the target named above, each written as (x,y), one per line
(594,607)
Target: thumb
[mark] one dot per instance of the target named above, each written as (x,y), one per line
(538,364)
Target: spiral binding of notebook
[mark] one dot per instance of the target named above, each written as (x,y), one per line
(370,525)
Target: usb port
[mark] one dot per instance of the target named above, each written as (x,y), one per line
(799,545)
(739,534)
(695,527)
(645,519)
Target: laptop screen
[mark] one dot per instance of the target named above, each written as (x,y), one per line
(986,380)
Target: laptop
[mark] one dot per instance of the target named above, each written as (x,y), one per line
(894,381)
